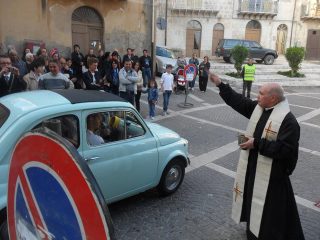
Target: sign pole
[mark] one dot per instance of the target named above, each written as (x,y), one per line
(189,73)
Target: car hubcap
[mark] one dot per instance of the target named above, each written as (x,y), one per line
(173,178)
(269,60)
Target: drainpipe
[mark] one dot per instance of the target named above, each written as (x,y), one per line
(165,30)
(153,41)
(292,21)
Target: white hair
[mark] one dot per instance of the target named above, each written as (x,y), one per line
(277,90)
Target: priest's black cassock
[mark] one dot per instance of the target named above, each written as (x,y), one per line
(280,218)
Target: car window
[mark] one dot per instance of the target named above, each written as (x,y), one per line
(255,45)
(246,44)
(105,127)
(161,52)
(111,126)
(231,42)
(134,126)
(67,126)
(170,53)
(4,114)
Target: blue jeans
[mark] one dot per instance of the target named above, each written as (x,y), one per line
(152,109)
(191,83)
(146,75)
(166,97)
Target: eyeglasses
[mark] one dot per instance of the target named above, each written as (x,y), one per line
(5,63)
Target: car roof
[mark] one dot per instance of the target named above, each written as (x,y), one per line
(244,40)
(23,102)
(81,96)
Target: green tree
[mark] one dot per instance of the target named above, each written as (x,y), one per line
(295,56)
(239,54)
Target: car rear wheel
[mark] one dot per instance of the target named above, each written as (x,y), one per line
(4,234)
(226,59)
(269,59)
(172,177)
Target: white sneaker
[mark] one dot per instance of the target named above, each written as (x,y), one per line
(152,118)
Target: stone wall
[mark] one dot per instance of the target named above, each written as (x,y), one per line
(126,23)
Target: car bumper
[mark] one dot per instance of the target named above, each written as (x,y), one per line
(188,161)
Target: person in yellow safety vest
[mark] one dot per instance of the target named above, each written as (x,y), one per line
(248,72)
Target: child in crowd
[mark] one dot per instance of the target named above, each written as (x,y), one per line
(152,97)
(166,87)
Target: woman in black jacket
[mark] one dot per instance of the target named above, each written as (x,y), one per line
(204,68)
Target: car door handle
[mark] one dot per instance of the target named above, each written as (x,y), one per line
(92,158)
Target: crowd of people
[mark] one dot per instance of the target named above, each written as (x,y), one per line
(127,76)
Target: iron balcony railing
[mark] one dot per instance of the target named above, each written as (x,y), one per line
(258,6)
(192,4)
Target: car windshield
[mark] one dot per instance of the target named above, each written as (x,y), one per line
(170,54)
(163,52)
(4,114)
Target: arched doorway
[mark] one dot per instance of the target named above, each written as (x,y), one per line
(282,33)
(87,29)
(218,34)
(193,38)
(253,31)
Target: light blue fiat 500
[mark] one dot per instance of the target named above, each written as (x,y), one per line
(125,154)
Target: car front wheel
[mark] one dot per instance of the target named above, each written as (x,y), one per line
(4,231)
(269,60)
(172,177)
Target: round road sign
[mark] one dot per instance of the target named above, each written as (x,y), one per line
(52,193)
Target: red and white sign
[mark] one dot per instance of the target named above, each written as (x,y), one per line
(52,194)
(190,72)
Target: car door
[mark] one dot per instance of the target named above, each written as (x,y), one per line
(126,161)
(255,50)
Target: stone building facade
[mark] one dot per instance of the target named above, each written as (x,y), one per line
(106,24)
(198,25)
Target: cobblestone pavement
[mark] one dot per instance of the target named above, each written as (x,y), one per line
(201,208)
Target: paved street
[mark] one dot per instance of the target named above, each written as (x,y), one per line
(201,208)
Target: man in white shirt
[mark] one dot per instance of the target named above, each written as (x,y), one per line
(166,87)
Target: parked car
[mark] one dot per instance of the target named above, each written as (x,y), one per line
(165,56)
(134,156)
(256,51)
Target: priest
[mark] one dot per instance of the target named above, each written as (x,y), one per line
(262,192)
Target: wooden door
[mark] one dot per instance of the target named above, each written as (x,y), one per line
(80,36)
(253,34)
(193,42)
(313,45)
(217,36)
(87,29)
(95,39)
(282,33)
